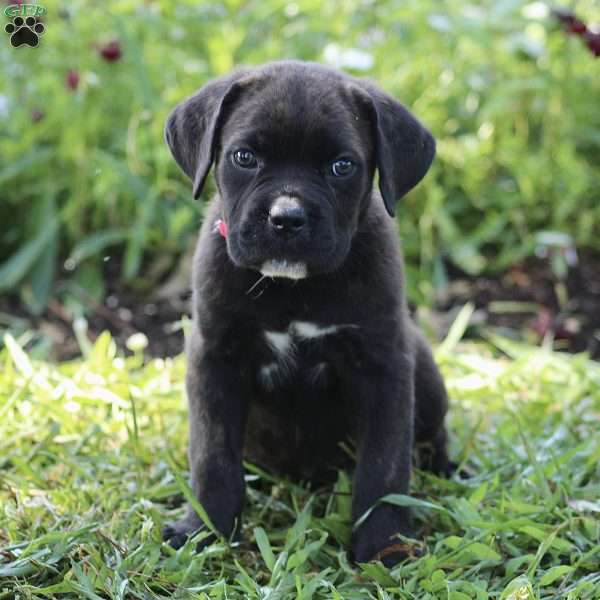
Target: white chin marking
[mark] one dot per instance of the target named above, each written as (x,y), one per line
(283,268)
(307,330)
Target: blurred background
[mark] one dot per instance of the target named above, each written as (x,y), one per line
(97,223)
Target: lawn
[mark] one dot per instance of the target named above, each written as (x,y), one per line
(93,465)
(96,226)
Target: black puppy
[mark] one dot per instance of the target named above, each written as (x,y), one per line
(301,337)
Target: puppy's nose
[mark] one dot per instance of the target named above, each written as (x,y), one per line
(287,215)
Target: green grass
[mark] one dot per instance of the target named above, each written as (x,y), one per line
(93,463)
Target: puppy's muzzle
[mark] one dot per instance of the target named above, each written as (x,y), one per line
(287,217)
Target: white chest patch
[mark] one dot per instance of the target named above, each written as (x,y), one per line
(284,345)
(270,374)
(280,343)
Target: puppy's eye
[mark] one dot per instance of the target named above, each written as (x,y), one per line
(342,167)
(245,159)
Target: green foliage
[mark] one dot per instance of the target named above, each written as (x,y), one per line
(510,97)
(93,451)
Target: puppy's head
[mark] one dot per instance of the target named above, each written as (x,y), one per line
(296,146)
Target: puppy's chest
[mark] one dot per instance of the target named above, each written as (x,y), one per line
(303,352)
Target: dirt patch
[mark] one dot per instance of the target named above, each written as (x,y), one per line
(530,302)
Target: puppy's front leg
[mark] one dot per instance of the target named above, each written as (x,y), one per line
(385,411)
(217,414)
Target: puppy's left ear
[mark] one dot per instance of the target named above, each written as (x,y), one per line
(193,126)
(404,148)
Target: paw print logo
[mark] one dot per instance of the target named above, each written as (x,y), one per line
(25,31)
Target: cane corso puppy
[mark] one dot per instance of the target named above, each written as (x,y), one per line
(301,337)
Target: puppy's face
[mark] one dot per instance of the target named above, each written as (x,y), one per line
(294,167)
(295,147)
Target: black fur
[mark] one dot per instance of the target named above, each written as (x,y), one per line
(373,380)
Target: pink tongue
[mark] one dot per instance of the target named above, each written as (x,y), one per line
(223,228)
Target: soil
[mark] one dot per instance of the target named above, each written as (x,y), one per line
(526,302)
(530,302)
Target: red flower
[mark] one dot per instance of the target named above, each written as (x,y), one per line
(592,41)
(112,51)
(576,27)
(72,79)
(570,21)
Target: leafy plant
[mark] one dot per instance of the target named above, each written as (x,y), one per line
(85,174)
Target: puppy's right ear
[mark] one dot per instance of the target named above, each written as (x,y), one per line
(194,124)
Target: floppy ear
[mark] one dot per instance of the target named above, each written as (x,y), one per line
(193,126)
(404,148)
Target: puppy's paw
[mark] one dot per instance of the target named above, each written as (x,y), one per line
(443,468)
(383,537)
(177,534)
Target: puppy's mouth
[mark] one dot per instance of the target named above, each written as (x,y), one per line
(284,268)
(293,258)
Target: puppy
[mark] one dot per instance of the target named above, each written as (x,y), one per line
(301,337)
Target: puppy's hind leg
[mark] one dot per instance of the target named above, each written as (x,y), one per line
(431,404)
